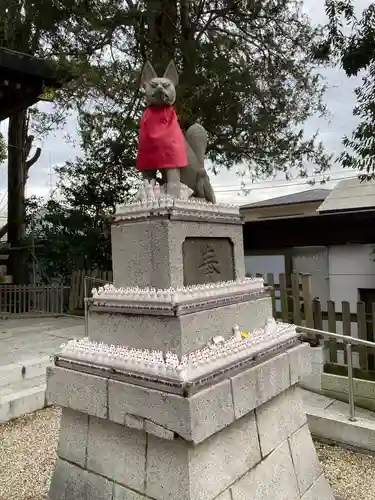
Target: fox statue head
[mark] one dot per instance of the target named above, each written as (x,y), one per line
(159,91)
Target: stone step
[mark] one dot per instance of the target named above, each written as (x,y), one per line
(21,385)
(328,421)
(16,372)
(21,402)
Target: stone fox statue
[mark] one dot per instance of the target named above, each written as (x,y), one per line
(162,145)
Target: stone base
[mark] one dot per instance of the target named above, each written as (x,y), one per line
(245,437)
(267,454)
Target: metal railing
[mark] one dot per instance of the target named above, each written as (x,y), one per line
(349,341)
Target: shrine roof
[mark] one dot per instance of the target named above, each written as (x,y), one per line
(23,79)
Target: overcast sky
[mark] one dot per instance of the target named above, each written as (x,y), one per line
(339,99)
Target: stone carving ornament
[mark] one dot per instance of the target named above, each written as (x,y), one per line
(162,145)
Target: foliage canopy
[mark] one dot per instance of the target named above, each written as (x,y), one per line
(247,74)
(351,40)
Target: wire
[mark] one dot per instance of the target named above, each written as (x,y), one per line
(275,181)
(305,183)
(2,199)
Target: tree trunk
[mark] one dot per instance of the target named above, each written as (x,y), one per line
(170,31)
(27,165)
(162,24)
(18,259)
(188,46)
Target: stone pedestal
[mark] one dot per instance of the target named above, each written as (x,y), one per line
(196,399)
(177,244)
(244,437)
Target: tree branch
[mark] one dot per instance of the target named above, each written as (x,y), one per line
(32,160)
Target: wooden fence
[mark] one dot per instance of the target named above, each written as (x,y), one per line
(293,302)
(26,299)
(77,286)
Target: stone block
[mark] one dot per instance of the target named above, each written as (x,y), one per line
(78,391)
(134,422)
(117,452)
(313,381)
(365,403)
(273,478)
(22,401)
(320,490)
(160,264)
(178,334)
(36,367)
(257,385)
(73,436)
(279,418)
(318,354)
(158,430)
(167,474)
(332,424)
(194,418)
(300,362)
(272,377)
(121,493)
(219,461)
(337,384)
(211,410)
(176,469)
(70,482)
(10,374)
(199,327)
(130,266)
(168,410)
(305,459)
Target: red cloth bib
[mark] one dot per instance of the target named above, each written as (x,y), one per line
(161,142)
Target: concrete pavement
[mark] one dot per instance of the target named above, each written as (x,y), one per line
(28,338)
(26,347)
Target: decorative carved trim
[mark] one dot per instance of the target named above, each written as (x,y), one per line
(178,301)
(112,307)
(177,208)
(217,355)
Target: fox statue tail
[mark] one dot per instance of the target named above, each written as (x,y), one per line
(203,187)
(196,136)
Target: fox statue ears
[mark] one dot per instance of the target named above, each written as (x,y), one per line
(171,73)
(148,73)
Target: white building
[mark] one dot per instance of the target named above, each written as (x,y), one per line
(329,234)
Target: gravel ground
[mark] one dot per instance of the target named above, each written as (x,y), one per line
(27,455)
(28,447)
(351,475)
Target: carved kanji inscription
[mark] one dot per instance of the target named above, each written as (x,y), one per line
(207,260)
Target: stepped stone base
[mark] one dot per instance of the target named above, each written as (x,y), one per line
(178,334)
(245,437)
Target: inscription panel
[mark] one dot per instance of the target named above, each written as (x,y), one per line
(207,260)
